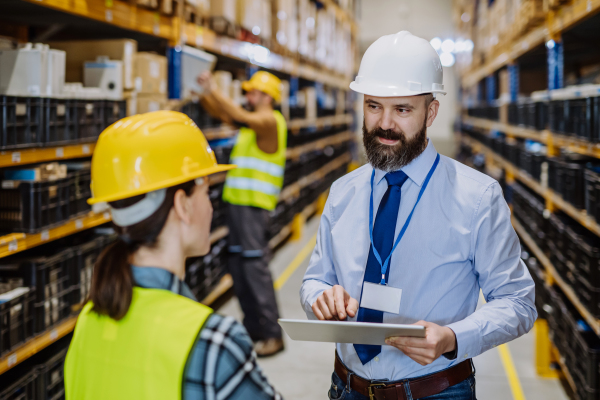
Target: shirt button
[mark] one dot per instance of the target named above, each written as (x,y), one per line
(466,355)
(376,359)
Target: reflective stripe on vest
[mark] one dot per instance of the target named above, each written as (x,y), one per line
(142,356)
(258,179)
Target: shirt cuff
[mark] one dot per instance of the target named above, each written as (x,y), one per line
(316,288)
(468,337)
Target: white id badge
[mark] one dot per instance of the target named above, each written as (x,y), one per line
(381,297)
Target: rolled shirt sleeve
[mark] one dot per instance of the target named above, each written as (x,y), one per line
(506,284)
(320,274)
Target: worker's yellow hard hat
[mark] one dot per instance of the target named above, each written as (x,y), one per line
(266,83)
(148,152)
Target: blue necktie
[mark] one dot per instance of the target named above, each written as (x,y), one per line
(384,231)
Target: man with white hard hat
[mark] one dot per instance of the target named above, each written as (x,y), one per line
(411,238)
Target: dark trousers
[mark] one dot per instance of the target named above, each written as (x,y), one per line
(248,264)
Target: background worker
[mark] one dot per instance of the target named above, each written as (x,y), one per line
(430,229)
(142,335)
(252,191)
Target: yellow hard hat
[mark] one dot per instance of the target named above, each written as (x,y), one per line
(266,83)
(148,152)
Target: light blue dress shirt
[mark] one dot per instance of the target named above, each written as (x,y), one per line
(460,240)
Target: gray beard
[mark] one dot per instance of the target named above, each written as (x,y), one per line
(392,158)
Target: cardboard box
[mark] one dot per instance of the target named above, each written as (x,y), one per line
(223,8)
(150,72)
(81,51)
(150,102)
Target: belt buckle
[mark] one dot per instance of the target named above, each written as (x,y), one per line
(374,386)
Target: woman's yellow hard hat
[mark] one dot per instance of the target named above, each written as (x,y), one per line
(266,83)
(148,152)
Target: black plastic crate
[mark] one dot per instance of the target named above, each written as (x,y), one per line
(21,122)
(592,191)
(566,177)
(24,389)
(16,318)
(558,116)
(595,136)
(59,121)
(82,267)
(113,110)
(51,378)
(79,191)
(50,277)
(580,122)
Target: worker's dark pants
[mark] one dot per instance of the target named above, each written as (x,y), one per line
(249,257)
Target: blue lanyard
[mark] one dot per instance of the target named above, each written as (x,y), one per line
(384,265)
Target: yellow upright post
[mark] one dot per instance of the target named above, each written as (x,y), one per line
(543,350)
(320,204)
(297,226)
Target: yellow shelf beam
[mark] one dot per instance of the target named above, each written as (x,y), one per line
(549,195)
(565,287)
(293,190)
(37,344)
(118,13)
(511,130)
(44,154)
(16,242)
(560,20)
(296,152)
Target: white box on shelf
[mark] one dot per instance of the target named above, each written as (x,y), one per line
(56,63)
(21,71)
(105,74)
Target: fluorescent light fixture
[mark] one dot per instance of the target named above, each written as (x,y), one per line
(436,43)
(460,46)
(550,44)
(256,30)
(469,45)
(465,17)
(260,54)
(448,46)
(447,59)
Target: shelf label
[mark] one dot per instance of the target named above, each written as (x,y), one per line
(85,149)
(60,152)
(156,28)
(13,246)
(108,16)
(589,6)
(16,157)
(79,224)
(12,359)
(53,334)
(45,235)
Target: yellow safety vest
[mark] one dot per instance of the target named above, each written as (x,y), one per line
(142,356)
(258,178)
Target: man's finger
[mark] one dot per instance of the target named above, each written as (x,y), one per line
(407,342)
(330,300)
(352,307)
(417,351)
(340,307)
(324,308)
(317,311)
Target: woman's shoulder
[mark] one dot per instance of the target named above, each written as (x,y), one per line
(218,329)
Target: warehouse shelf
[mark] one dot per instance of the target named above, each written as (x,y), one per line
(118,13)
(17,242)
(556,23)
(207,39)
(219,177)
(572,144)
(45,154)
(222,287)
(37,344)
(565,287)
(297,124)
(563,366)
(295,152)
(293,190)
(549,195)
(44,340)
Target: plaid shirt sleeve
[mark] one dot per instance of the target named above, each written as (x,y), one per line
(222,365)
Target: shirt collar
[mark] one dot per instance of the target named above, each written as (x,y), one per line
(158,278)
(417,169)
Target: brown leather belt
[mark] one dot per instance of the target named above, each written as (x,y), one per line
(419,387)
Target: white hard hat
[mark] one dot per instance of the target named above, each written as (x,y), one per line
(399,65)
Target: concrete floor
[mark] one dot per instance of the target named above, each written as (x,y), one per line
(314,361)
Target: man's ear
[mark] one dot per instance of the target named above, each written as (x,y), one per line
(432,112)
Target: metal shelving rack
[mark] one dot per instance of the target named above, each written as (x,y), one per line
(173,29)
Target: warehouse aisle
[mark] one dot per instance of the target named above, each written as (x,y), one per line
(303,370)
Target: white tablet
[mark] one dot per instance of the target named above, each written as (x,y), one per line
(347,332)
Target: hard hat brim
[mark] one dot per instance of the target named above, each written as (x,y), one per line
(162,185)
(383,91)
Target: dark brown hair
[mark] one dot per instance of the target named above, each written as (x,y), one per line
(112,282)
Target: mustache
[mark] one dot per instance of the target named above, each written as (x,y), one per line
(387,134)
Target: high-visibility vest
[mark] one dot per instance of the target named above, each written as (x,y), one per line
(142,356)
(258,178)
